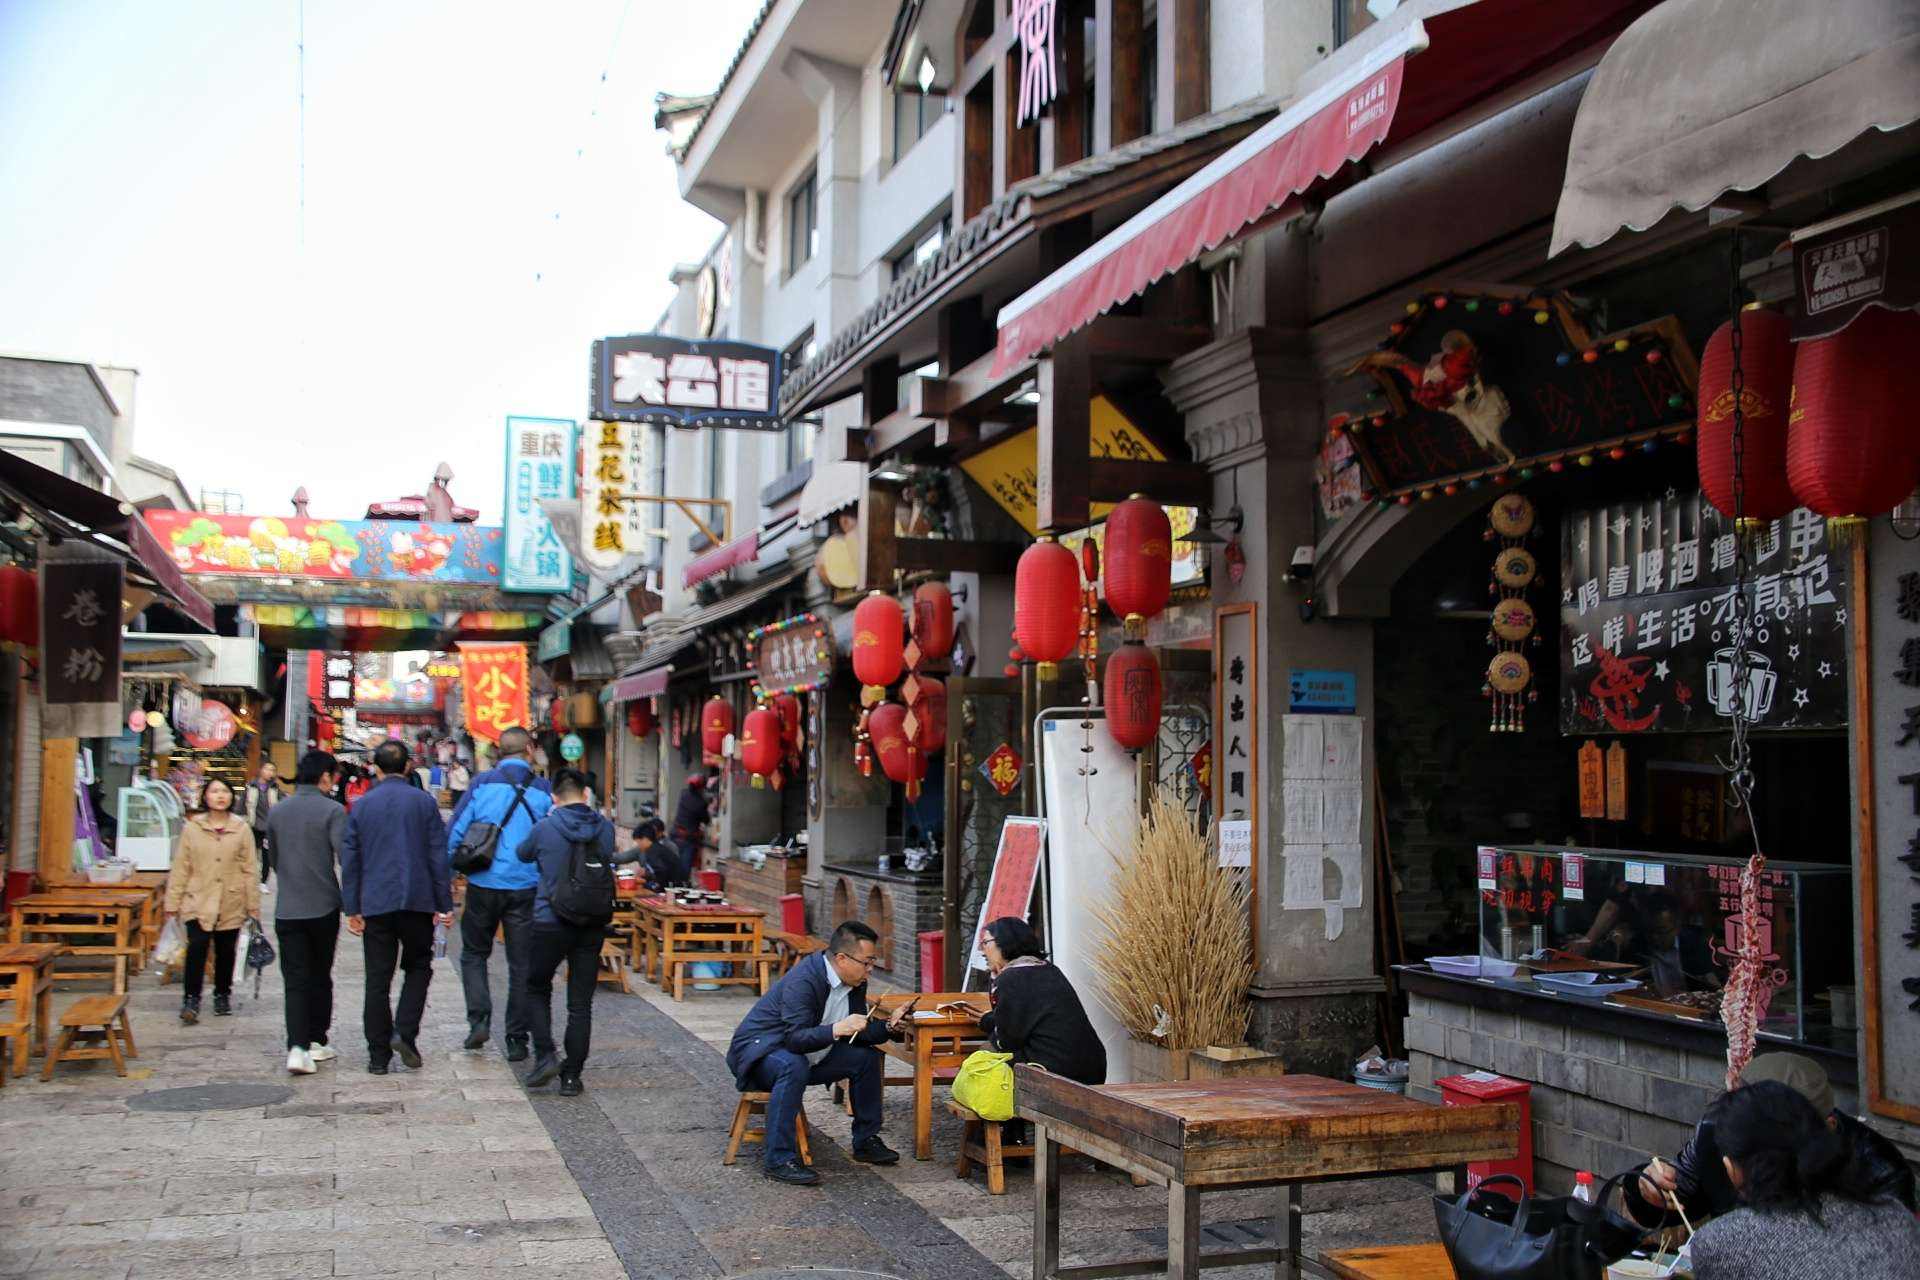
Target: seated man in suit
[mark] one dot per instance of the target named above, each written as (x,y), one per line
(812,1028)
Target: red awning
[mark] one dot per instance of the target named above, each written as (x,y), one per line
(1388,95)
(643,684)
(738,552)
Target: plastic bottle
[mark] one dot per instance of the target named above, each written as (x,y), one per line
(1583,1187)
(440,952)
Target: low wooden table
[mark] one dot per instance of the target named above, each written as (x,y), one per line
(674,934)
(151,895)
(938,1043)
(1222,1135)
(68,915)
(26,980)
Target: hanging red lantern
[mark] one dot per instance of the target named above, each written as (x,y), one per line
(933,620)
(1046,603)
(787,707)
(877,630)
(1139,561)
(1132,695)
(640,720)
(930,709)
(19,606)
(716,722)
(899,759)
(1766,370)
(760,744)
(1852,451)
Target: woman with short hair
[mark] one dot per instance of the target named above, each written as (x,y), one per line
(1037,1016)
(213,888)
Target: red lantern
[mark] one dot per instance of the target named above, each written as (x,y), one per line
(1766,369)
(933,620)
(1139,561)
(1132,695)
(1046,602)
(877,626)
(19,607)
(1852,450)
(931,711)
(716,722)
(899,760)
(787,707)
(760,743)
(640,720)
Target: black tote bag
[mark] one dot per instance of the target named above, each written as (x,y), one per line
(1490,1237)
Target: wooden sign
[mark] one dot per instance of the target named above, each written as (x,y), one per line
(1617,782)
(1593,781)
(794,655)
(1016,866)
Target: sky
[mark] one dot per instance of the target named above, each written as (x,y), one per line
(479,206)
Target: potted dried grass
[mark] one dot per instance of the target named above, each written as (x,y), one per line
(1171,946)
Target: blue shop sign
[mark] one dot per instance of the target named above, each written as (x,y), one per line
(1321,692)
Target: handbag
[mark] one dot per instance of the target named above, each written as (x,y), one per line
(479,842)
(984,1084)
(1491,1237)
(259,953)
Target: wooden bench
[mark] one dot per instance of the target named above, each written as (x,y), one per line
(792,948)
(980,1144)
(100,1024)
(1391,1262)
(613,965)
(755,1104)
(758,969)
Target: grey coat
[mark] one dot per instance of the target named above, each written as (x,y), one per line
(1852,1241)
(307,830)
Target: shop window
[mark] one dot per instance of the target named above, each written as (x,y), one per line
(913,115)
(796,442)
(716,465)
(924,248)
(803,221)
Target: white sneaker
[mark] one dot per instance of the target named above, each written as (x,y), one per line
(299,1062)
(322,1052)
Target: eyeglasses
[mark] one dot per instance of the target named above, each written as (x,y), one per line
(868,963)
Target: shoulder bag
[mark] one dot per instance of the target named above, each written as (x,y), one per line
(481,840)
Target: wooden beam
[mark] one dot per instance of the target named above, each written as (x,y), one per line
(963,332)
(1065,435)
(1022,147)
(1184,63)
(899,430)
(956,556)
(879,389)
(1179,484)
(954,433)
(1069,115)
(876,540)
(855,449)
(926,398)
(973,188)
(980,64)
(1121,76)
(969,385)
(1130,338)
(59,759)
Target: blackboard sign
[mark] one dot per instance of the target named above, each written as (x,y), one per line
(1647,630)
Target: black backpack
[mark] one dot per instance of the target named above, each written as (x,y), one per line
(582,893)
(481,840)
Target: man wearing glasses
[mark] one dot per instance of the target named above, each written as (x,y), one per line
(812,1028)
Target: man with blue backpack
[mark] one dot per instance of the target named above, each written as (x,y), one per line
(573,904)
(501,806)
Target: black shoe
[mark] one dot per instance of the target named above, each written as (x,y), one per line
(408,1053)
(793,1173)
(543,1071)
(477,1038)
(570,1086)
(222,1004)
(874,1151)
(377,1067)
(516,1051)
(189,1010)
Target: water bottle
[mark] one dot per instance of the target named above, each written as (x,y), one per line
(1583,1187)
(439,941)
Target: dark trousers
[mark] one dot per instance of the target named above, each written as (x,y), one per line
(224,941)
(787,1075)
(486,910)
(579,946)
(405,937)
(306,966)
(263,845)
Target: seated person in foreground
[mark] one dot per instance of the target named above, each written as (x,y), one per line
(665,868)
(1808,1210)
(812,1028)
(1037,1016)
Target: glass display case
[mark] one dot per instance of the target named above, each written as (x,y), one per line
(150,818)
(1658,932)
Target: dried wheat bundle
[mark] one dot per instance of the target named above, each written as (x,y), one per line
(1171,940)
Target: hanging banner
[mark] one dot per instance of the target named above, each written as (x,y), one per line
(337,550)
(540,465)
(80,647)
(493,689)
(616,462)
(651,377)
(337,687)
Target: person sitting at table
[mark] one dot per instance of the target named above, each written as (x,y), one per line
(666,867)
(1037,1016)
(812,1028)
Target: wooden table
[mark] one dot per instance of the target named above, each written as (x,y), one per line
(1221,1135)
(26,980)
(151,896)
(937,1043)
(673,935)
(72,913)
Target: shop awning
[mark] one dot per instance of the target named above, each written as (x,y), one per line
(1702,97)
(1386,96)
(651,683)
(101,515)
(738,552)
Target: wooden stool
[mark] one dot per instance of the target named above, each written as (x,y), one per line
(755,1104)
(1391,1262)
(91,1020)
(6,1056)
(793,948)
(980,1144)
(613,965)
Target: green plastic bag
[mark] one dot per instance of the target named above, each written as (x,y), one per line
(985,1085)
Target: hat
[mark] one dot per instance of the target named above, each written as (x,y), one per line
(1802,1075)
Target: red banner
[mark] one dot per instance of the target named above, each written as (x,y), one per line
(494,688)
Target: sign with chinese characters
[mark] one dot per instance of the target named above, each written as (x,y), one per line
(1886,743)
(1646,621)
(338,688)
(211,729)
(337,550)
(494,688)
(1034,22)
(1001,769)
(1236,714)
(650,377)
(540,464)
(794,655)
(1016,866)
(1593,780)
(1617,781)
(616,462)
(1321,691)
(80,642)
(1873,261)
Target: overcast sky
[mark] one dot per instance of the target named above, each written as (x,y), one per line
(149,197)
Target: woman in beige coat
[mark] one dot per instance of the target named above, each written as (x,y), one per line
(214,888)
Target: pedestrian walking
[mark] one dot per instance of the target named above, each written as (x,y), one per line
(309,829)
(257,803)
(504,802)
(394,887)
(459,777)
(573,904)
(690,815)
(214,888)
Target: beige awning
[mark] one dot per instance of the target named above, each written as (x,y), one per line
(1702,97)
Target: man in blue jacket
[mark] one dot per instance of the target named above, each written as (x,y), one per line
(511,798)
(812,1028)
(394,887)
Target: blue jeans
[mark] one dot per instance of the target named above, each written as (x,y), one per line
(787,1075)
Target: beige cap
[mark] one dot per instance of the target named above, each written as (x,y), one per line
(1803,1075)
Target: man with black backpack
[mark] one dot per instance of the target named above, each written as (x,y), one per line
(496,814)
(573,904)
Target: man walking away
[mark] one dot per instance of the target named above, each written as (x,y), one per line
(690,817)
(394,886)
(573,903)
(308,829)
(510,799)
(263,795)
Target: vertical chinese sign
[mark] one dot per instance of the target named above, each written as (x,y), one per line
(80,655)
(494,688)
(1886,722)
(1236,745)
(540,464)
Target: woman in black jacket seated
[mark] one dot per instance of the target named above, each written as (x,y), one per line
(1036,1015)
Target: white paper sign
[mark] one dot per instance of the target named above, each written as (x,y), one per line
(1636,873)
(1236,843)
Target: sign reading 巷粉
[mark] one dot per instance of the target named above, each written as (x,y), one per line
(650,377)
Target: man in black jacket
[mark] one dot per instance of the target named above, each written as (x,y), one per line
(812,1028)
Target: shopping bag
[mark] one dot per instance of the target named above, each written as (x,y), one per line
(984,1085)
(1490,1237)
(259,953)
(171,950)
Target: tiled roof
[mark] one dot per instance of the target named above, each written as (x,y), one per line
(726,78)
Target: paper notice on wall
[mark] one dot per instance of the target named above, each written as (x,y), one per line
(1342,758)
(1325,878)
(1236,842)
(1489,864)
(1340,812)
(1304,821)
(1304,883)
(1636,873)
(1655,873)
(1573,877)
(1306,749)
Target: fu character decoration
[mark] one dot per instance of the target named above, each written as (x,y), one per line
(1510,522)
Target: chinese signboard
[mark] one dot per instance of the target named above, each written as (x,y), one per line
(337,550)
(1646,622)
(1016,866)
(1888,744)
(1322,691)
(80,650)
(1871,262)
(337,685)
(540,463)
(1039,54)
(494,688)
(616,461)
(1001,769)
(793,656)
(649,377)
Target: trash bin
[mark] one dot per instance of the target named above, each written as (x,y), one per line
(1478,1088)
(793,913)
(933,960)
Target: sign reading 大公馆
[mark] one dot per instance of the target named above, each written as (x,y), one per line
(650,377)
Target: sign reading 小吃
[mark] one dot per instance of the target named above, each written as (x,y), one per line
(1321,692)
(1874,261)
(494,688)
(651,377)
(80,649)
(540,465)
